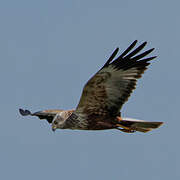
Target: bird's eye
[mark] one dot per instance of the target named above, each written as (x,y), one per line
(55,122)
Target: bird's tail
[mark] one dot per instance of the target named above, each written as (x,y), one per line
(131,125)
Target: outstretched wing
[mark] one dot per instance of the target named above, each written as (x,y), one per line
(106,92)
(46,114)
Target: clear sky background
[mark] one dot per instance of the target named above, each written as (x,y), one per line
(49,49)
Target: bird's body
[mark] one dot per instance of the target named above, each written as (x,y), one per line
(103,97)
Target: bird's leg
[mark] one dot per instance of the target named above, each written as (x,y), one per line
(126,130)
(123,128)
(119,119)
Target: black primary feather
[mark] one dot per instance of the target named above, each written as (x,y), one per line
(24,112)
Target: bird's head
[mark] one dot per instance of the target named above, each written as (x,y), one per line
(59,121)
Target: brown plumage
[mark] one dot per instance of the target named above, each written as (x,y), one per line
(103,96)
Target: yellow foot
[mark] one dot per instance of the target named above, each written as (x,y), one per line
(127,131)
(124,128)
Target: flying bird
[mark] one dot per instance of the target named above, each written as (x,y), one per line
(104,95)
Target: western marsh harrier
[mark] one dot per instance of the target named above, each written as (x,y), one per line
(104,95)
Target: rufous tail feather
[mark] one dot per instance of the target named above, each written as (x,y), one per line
(137,125)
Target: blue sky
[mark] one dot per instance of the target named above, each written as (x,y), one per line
(49,49)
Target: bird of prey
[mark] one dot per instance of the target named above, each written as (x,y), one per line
(104,95)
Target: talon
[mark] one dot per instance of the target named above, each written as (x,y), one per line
(124,127)
(126,130)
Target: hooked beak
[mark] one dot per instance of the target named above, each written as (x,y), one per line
(53,129)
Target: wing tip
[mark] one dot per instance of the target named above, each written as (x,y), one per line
(117,49)
(24,112)
(144,43)
(135,42)
(111,57)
